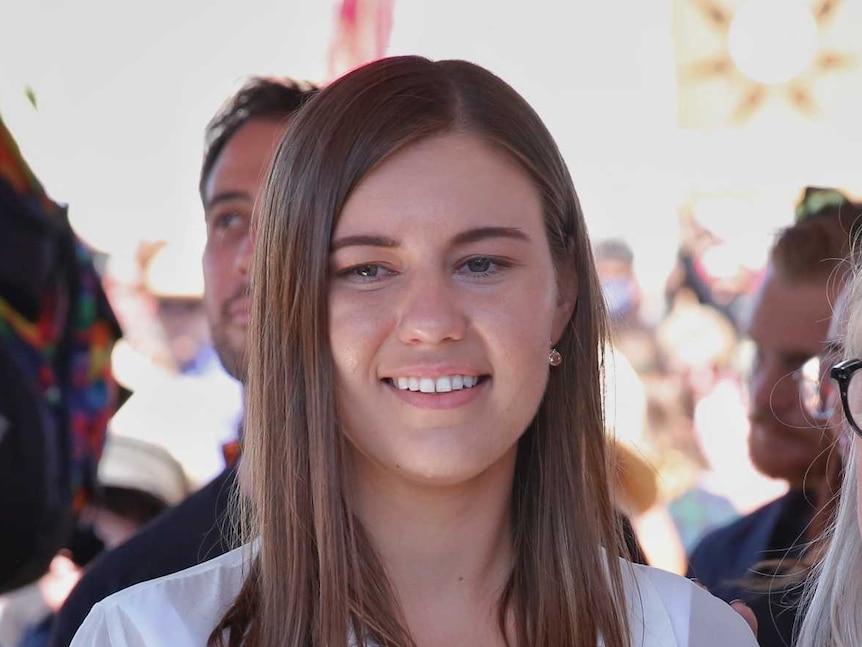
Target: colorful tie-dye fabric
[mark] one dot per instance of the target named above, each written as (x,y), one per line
(67,346)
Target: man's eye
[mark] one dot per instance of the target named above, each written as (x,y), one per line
(227,221)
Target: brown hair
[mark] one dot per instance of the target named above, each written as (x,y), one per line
(317,577)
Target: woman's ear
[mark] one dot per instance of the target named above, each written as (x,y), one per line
(567,298)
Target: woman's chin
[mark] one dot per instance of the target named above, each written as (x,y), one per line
(447,470)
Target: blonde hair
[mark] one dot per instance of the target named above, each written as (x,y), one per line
(833,595)
(317,578)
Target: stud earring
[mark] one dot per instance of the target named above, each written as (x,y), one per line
(554,357)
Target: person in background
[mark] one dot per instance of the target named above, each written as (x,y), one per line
(699,345)
(710,269)
(631,335)
(239,143)
(615,265)
(631,354)
(789,326)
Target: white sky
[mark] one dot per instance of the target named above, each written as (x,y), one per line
(125,89)
(124,92)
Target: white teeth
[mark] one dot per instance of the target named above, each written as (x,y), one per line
(442,384)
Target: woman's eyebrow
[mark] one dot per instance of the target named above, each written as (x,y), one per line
(469,236)
(363,241)
(483,233)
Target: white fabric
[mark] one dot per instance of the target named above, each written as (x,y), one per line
(180,610)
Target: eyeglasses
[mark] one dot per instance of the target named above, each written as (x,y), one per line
(851,391)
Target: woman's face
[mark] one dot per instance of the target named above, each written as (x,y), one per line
(443,303)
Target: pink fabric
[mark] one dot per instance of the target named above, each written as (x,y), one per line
(361,34)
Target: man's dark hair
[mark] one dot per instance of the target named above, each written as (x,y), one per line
(259,98)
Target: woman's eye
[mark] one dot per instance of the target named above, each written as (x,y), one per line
(366,271)
(479,265)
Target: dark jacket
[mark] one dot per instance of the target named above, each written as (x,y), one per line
(725,560)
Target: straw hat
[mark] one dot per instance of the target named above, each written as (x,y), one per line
(134,464)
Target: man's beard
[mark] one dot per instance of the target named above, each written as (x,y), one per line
(233,359)
(232,356)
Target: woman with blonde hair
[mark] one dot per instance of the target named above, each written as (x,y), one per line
(424,460)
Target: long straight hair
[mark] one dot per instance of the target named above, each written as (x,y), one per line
(317,579)
(833,592)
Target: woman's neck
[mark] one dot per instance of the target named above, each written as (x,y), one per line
(447,550)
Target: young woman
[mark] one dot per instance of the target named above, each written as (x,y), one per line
(424,459)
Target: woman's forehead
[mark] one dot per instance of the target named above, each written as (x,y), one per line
(447,181)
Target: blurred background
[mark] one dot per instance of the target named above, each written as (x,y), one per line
(691,128)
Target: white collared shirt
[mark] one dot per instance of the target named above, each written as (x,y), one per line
(180,610)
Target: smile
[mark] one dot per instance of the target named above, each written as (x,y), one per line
(442,384)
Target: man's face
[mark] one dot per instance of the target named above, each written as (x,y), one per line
(789,326)
(619,287)
(229,195)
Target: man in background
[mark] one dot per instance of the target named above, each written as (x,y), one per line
(789,326)
(239,144)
